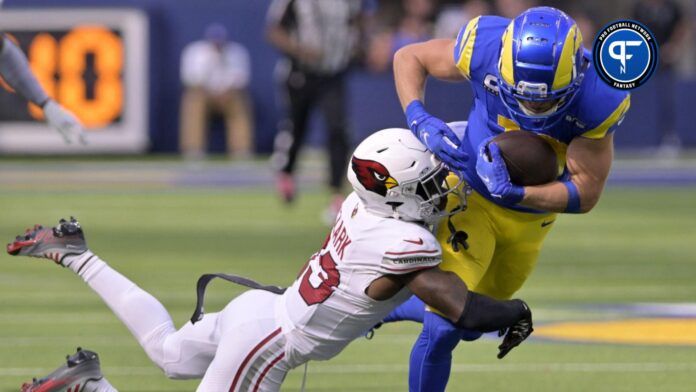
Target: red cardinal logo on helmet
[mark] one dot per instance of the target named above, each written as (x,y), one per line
(373,176)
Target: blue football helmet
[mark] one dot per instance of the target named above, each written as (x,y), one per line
(541,67)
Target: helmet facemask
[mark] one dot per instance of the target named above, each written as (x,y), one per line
(429,196)
(513,98)
(396,176)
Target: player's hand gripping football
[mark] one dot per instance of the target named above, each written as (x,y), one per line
(64,122)
(491,169)
(516,334)
(436,135)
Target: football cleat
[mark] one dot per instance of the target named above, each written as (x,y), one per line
(54,243)
(81,373)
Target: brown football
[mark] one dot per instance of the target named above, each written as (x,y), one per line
(529,158)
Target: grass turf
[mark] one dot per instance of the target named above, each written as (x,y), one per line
(638,245)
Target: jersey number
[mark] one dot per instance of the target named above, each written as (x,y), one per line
(319,279)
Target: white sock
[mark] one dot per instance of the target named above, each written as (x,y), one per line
(144,316)
(85,265)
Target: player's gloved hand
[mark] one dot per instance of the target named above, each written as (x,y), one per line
(517,333)
(436,135)
(491,169)
(64,122)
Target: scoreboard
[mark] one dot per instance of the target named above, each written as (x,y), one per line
(95,63)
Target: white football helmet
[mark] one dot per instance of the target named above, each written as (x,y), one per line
(396,176)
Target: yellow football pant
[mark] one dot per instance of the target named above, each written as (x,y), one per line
(503,246)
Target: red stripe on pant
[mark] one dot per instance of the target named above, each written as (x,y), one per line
(250,355)
(266,369)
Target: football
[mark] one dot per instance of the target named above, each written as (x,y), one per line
(529,158)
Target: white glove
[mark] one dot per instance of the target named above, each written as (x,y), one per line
(64,122)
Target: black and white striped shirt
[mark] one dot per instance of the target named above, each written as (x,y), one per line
(329,26)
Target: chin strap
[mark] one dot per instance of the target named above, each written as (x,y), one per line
(240,280)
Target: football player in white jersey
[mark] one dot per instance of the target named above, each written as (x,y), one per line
(378,253)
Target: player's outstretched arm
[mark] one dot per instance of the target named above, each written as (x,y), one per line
(445,291)
(15,69)
(412,65)
(589,162)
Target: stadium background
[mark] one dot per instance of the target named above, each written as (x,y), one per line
(628,267)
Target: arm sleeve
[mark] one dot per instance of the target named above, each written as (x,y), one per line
(411,253)
(464,47)
(15,68)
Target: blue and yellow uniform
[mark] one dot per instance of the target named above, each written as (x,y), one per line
(505,240)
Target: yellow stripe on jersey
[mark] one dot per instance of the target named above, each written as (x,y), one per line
(566,63)
(508,124)
(466,47)
(506,69)
(601,130)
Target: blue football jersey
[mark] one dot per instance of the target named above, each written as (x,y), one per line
(596,110)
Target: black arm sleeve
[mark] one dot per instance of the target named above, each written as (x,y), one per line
(485,314)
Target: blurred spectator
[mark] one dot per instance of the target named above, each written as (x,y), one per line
(414,26)
(586,24)
(665,19)
(215,73)
(512,8)
(454,16)
(319,39)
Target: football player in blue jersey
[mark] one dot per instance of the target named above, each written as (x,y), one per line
(529,74)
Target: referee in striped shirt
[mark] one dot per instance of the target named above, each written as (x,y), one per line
(319,40)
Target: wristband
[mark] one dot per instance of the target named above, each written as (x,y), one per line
(573,205)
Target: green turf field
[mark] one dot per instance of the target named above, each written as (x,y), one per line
(638,245)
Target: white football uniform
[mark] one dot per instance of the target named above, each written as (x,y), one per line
(259,336)
(326,308)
